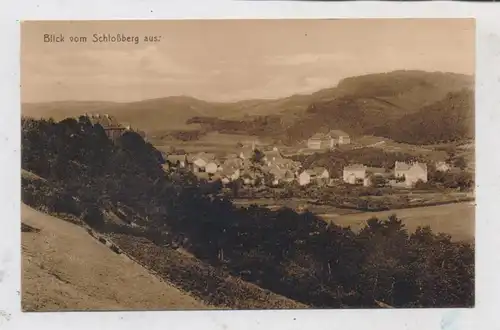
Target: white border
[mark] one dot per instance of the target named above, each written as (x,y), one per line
(488,177)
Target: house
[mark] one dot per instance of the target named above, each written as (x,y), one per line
(412,172)
(339,137)
(281,175)
(272,156)
(233,162)
(247,152)
(179,161)
(354,174)
(229,174)
(166,166)
(320,141)
(442,166)
(318,175)
(111,126)
(201,160)
(212,167)
(249,179)
(287,163)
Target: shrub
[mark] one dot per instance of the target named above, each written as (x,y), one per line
(93,216)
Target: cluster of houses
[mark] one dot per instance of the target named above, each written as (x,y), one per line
(274,169)
(284,170)
(403,174)
(270,167)
(330,140)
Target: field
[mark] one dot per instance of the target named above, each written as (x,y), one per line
(293,203)
(212,142)
(457,220)
(64,268)
(387,145)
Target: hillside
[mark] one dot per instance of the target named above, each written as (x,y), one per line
(395,93)
(64,268)
(447,120)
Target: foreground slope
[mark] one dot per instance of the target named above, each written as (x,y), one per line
(64,268)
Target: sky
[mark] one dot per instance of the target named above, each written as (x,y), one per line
(231,60)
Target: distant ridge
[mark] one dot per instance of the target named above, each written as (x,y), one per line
(355,104)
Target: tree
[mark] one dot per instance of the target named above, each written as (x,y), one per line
(257,156)
(460,162)
(92,215)
(378,181)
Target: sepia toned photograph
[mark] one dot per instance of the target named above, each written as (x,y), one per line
(247,164)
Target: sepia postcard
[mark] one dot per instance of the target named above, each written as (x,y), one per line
(247,164)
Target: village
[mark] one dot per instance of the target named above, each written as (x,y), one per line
(256,165)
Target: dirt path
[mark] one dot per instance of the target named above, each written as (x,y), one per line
(64,268)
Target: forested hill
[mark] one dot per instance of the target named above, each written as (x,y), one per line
(299,256)
(449,119)
(356,104)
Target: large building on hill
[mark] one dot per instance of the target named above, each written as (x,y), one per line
(111,126)
(339,137)
(320,141)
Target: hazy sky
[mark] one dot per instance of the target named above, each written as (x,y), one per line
(232,59)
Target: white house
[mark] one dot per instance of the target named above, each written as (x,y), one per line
(272,156)
(230,174)
(412,172)
(201,160)
(339,137)
(249,179)
(320,141)
(281,175)
(354,174)
(211,167)
(315,175)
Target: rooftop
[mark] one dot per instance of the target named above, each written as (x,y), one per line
(337,133)
(317,136)
(355,167)
(402,166)
(316,171)
(106,121)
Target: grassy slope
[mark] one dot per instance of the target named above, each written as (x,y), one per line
(64,268)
